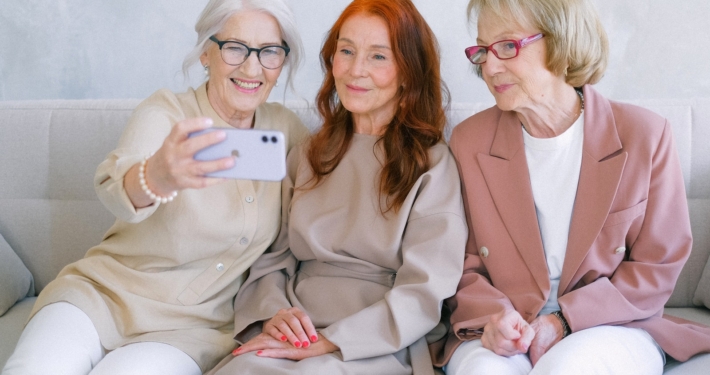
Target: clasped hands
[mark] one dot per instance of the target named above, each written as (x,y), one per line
(508,334)
(289,334)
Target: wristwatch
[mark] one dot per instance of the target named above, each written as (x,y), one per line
(565,327)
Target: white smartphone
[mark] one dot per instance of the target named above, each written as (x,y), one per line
(259,154)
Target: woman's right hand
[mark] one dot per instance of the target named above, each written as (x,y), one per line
(507,334)
(292,325)
(173,168)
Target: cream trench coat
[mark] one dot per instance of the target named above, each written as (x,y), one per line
(372,284)
(168,273)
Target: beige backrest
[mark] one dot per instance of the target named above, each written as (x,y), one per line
(49,151)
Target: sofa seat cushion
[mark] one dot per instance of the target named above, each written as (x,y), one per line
(16,280)
(700,363)
(11,326)
(696,314)
(702,293)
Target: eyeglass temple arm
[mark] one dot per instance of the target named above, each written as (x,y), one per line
(530,39)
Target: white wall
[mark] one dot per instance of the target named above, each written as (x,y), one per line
(73,49)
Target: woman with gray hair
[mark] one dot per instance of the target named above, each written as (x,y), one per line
(155,296)
(577,213)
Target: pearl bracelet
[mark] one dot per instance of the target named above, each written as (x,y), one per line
(144,186)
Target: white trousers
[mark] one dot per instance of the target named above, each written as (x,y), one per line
(61,339)
(603,350)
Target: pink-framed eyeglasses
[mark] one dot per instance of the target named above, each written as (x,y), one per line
(503,49)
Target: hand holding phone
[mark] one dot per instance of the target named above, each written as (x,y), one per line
(258,154)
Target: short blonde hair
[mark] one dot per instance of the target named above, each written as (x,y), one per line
(577,44)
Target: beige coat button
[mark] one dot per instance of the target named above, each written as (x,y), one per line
(220,267)
(244,241)
(484,252)
(620,250)
(249,199)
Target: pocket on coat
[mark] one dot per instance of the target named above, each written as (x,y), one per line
(626,214)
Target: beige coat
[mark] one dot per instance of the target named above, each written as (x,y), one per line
(628,240)
(167,273)
(372,284)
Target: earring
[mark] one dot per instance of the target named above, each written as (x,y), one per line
(565,72)
(277,84)
(207,71)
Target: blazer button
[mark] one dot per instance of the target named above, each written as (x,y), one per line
(620,250)
(220,267)
(483,252)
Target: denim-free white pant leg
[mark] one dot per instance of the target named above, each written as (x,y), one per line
(149,358)
(604,350)
(471,358)
(607,350)
(61,339)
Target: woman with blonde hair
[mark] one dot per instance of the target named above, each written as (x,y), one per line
(578,221)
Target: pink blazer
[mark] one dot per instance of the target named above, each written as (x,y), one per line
(629,235)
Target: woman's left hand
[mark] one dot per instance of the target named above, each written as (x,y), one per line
(267,346)
(548,332)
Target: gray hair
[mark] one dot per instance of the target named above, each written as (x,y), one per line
(217,12)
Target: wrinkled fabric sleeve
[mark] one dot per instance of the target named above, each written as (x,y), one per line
(432,259)
(263,294)
(655,260)
(147,128)
(476,298)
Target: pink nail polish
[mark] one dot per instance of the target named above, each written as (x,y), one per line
(306,344)
(260,352)
(314,338)
(283,338)
(297,344)
(236,351)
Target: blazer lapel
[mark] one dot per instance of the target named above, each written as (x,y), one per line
(602,167)
(506,173)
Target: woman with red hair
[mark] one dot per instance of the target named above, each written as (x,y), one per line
(373,231)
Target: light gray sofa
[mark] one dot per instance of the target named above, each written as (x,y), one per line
(50,215)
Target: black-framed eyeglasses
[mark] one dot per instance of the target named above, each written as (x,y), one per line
(236,53)
(503,49)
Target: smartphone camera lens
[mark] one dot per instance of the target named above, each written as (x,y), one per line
(264,139)
(273,139)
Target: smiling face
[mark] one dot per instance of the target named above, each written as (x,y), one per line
(524,81)
(236,91)
(365,72)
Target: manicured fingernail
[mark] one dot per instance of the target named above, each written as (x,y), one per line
(306,344)
(283,338)
(259,352)
(297,344)
(314,338)
(236,351)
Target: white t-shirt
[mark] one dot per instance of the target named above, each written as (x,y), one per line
(554,165)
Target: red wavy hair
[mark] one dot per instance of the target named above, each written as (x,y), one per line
(419,120)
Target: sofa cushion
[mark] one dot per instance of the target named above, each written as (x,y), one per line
(17,282)
(11,326)
(702,293)
(687,284)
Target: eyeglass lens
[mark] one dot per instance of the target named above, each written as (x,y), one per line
(504,49)
(235,53)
